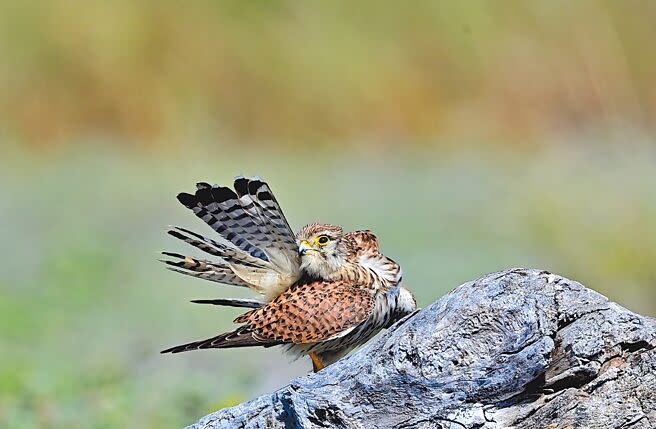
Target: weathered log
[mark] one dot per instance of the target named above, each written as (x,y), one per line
(516,349)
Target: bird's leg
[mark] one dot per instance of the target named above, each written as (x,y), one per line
(317,365)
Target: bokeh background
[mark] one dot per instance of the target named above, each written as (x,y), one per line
(470,136)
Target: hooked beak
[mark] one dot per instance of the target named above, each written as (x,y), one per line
(304,247)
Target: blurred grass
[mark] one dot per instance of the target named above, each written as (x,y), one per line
(149,71)
(470,137)
(85,307)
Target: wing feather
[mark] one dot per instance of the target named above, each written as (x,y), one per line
(240,337)
(205,203)
(264,256)
(230,302)
(207,245)
(304,314)
(311,312)
(207,270)
(283,250)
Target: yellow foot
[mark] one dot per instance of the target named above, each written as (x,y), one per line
(317,365)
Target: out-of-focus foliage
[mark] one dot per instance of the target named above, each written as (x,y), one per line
(323,70)
(469,136)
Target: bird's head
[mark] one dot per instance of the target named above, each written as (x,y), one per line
(320,248)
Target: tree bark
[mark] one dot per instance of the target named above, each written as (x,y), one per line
(516,349)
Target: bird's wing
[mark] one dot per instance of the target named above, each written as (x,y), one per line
(261,249)
(203,269)
(310,313)
(304,314)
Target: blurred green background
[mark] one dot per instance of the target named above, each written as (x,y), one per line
(470,136)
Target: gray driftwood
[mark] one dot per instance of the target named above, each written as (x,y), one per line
(515,349)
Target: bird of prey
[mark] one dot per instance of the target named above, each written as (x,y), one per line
(322,292)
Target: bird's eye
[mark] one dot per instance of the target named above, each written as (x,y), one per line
(322,240)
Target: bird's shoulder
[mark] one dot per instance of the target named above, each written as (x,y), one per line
(363,249)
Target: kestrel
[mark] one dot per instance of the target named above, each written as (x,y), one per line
(322,292)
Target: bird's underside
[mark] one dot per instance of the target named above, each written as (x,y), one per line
(321,292)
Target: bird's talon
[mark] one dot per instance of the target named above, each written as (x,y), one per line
(317,365)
